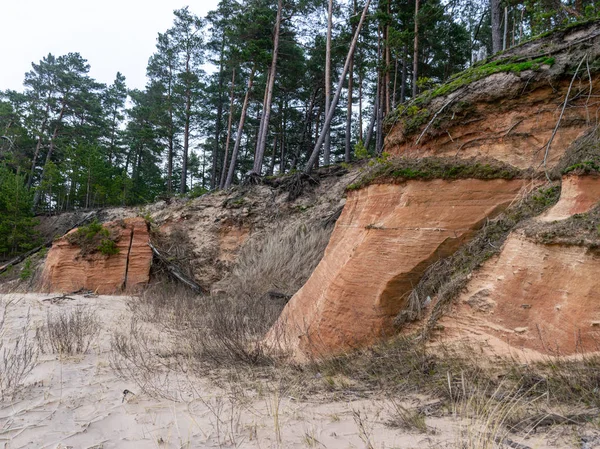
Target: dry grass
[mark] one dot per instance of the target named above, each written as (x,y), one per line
(69,332)
(579,230)
(225,330)
(17,359)
(277,264)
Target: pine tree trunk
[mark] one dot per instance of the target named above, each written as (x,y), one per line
(229,122)
(315,154)
(360,102)
(171,154)
(38,146)
(380,111)
(388,64)
(186,130)
(348,152)
(213,174)
(238,137)
(404,74)
(283,140)
(496,11)
(260,150)
(416,52)
(327,143)
(395,82)
(37,196)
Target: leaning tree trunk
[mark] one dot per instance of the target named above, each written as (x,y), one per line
(238,137)
(315,153)
(260,149)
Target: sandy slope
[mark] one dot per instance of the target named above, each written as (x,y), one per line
(78,402)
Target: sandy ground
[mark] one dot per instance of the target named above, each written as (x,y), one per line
(78,402)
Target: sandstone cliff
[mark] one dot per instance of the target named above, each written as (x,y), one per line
(515,122)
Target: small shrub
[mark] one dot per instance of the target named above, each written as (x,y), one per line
(17,360)
(360,152)
(27,270)
(197,192)
(108,247)
(406,419)
(69,332)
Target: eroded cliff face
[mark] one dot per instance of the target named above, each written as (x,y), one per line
(511,115)
(537,296)
(506,124)
(385,238)
(66,270)
(530,109)
(533,296)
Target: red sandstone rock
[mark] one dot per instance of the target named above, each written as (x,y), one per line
(66,270)
(385,238)
(578,195)
(507,119)
(533,296)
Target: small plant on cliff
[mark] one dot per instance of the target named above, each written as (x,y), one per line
(27,270)
(108,247)
(360,152)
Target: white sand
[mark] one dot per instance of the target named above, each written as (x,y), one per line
(78,402)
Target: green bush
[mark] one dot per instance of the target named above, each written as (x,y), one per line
(108,247)
(27,270)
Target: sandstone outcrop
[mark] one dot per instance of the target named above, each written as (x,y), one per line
(578,195)
(537,296)
(66,270)
(544,298)
(385,238)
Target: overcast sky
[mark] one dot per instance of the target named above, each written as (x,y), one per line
(113,35)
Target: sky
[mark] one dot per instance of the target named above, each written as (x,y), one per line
(113,35)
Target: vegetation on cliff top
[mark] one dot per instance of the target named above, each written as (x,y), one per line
(95,238)
(397,170)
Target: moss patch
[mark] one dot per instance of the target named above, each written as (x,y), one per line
(403,169)
(477,72)
(415,113)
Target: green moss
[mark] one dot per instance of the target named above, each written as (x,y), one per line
(398,170)
(478,72)
(415,113)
